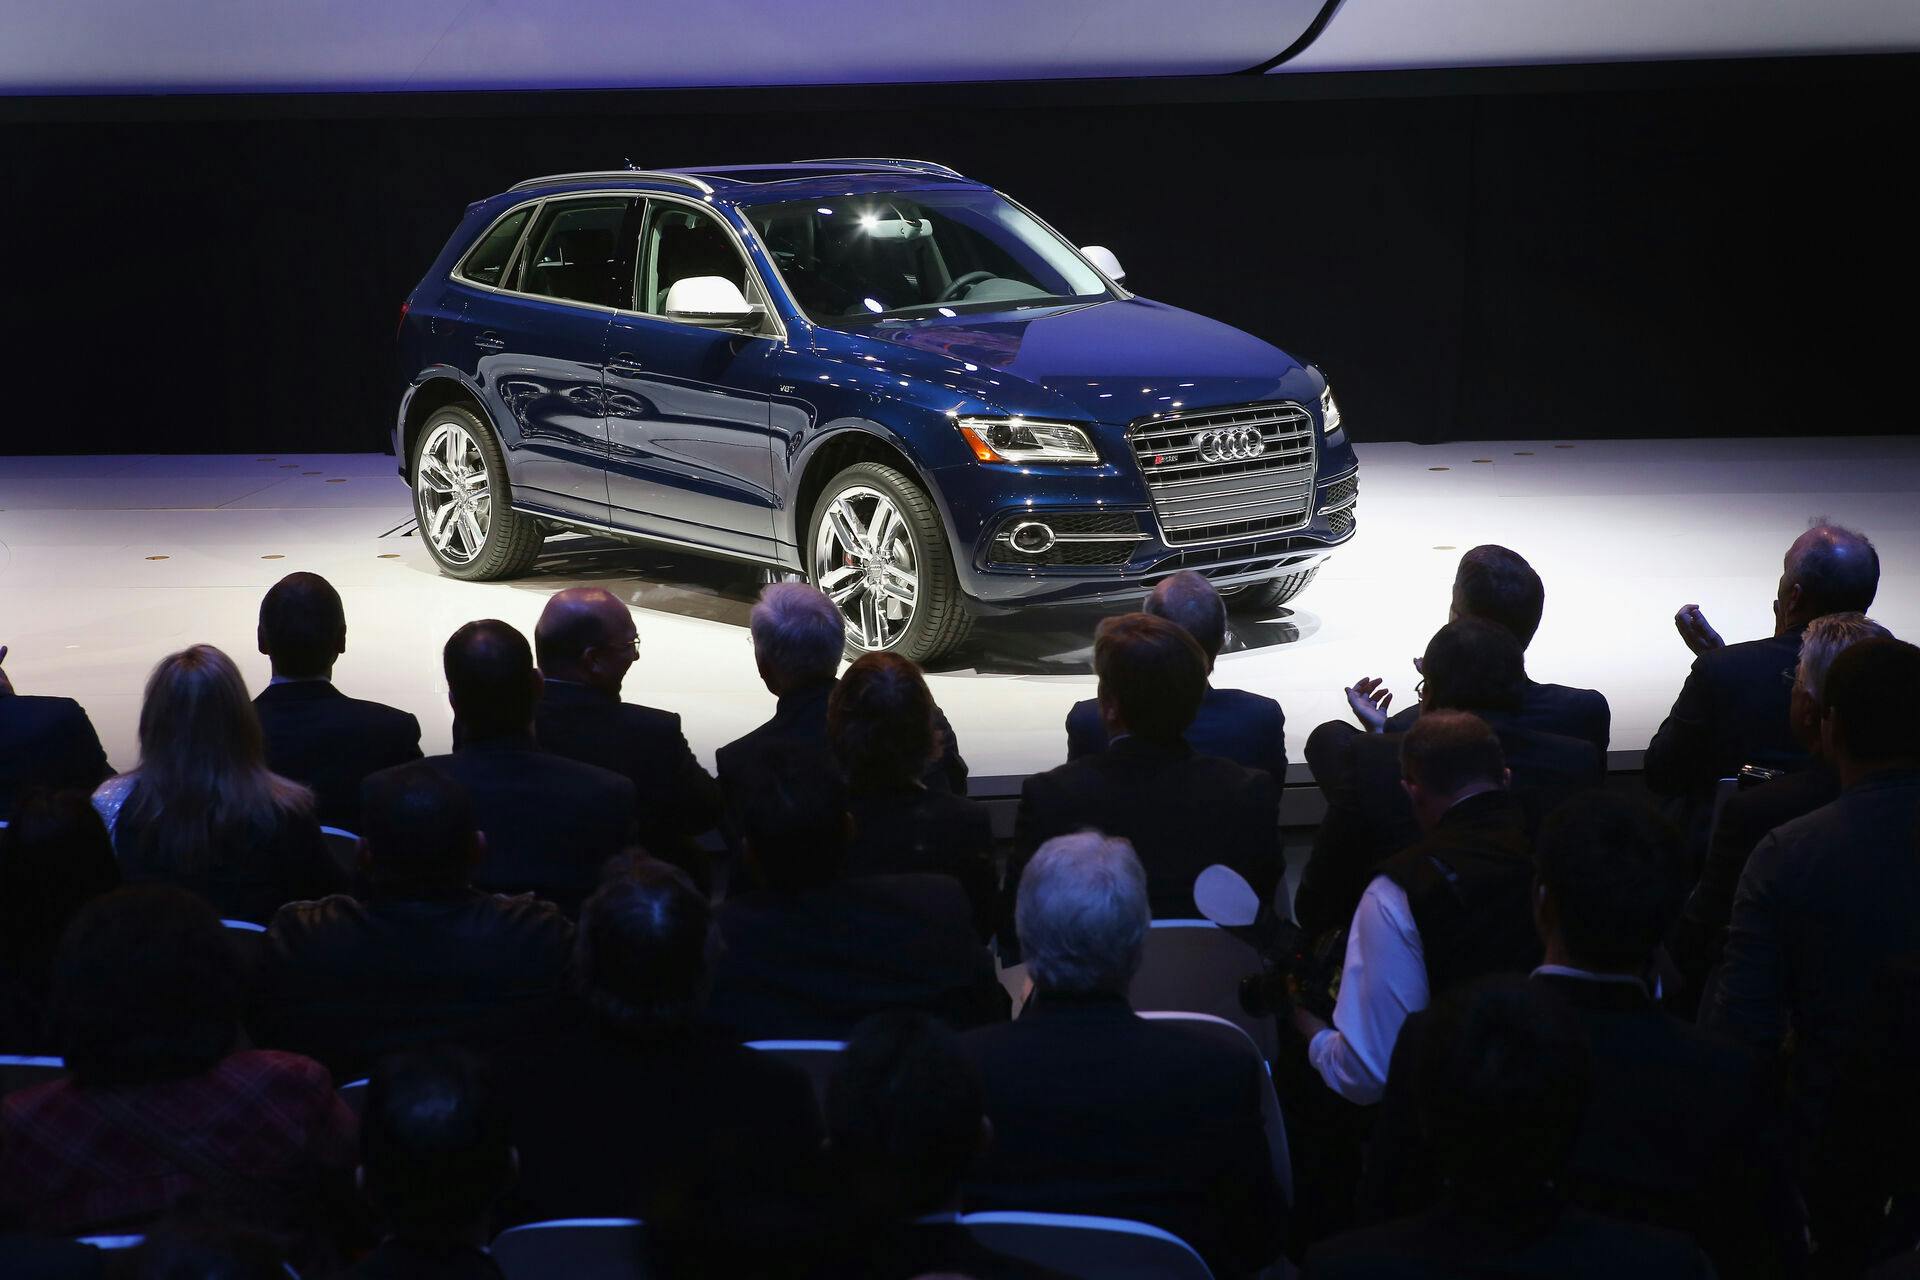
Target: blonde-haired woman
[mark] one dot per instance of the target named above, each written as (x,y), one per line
(202,810)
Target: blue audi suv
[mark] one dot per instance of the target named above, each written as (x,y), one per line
(876,373)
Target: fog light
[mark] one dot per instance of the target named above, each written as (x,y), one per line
(1031,537)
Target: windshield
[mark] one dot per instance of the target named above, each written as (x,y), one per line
(852,260)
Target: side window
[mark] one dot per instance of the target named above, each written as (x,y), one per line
(487,260)
(680,242)
(573,253)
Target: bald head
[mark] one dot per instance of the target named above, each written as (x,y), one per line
(1828,569)
(586,635)
(1191,603)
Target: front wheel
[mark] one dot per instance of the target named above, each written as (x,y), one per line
(877,549)
(461,500)
(1260,597)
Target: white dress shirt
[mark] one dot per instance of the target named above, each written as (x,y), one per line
(1384,980)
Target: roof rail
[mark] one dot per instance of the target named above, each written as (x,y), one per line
(890,162)
(653,175)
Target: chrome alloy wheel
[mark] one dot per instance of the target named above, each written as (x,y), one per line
(863,559)
(453,493)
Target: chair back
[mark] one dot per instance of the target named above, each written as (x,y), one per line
(818,1058)
(574,1248)
(344,846)
(243,926)
(354,1094)
(1088,1247)
(23,1072)
(1195,966)
(1271,1118)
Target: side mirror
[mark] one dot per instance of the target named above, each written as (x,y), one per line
(708,300)
(1103,260)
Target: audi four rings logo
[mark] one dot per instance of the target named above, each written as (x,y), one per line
(1234,444)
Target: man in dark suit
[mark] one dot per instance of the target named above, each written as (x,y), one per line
(1181,811)
(1470,665)
(551,823)
(1497,585)
(45,742)
(798,637)
(586,643)
(1682,1128)
(626,1096)
(1733,709)
(811,951)
(1096,1110)
(316,734)
(426,959)
(1236,725)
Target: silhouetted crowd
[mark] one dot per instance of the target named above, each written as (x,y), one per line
(288,997)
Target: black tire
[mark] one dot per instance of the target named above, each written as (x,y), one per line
(1260,597)
(940,621)
(513,541)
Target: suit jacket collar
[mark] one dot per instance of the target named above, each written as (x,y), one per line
(1087,1006)
(1130,747)
(799,703)
(1600,993)
(572,693)
(299,691)
(1489,807)
(500,742)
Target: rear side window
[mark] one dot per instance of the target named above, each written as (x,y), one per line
(573,253)
(488,260)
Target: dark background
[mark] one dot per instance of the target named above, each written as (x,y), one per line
(1630,250)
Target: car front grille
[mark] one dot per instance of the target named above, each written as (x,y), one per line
(1342,493)
(1227,473)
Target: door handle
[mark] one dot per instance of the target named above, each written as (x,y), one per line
(625,362)
(490,341)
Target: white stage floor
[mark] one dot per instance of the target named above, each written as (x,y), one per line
(108,563)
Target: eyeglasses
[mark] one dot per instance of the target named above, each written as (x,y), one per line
(1419,688)
(621,646)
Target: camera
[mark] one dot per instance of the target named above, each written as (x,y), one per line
(1297,968)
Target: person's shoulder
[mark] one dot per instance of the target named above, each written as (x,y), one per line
(253,1069)
(382,715)
(1084,715)
(41,709)
(1572,696)
(1243,702)
(652,722)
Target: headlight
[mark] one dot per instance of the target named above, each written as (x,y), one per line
(1024,440)
(1329,412)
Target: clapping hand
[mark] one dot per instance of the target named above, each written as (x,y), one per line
(1695,632)
(1370,698)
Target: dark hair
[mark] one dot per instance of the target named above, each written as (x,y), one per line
(640,956)
(1615,871)
(880,721)
(434,1143)
(1473,665)
(1191,603)
(1503,1075)
(1873,691)
(793,813)
(1838,572)
(1154,672)
(419,827)
(489,670)
(146,987)
(303,625)
(904,1109)
(54,859)
(1498,585)
(1448,751)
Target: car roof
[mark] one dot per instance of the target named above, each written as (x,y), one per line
(764,183)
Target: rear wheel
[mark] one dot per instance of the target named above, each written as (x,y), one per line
(876,547)
(463,504)
(1259,597)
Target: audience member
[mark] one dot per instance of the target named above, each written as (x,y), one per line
(586,643)
(1734,708)
(627,1095)
(1180,811)
(54,859)
(435,1158)
(202,810)
(159,1106)
(315,734)
(798,637)
(811,951)
(1246,728)
(1497,585)
(1681,1128)
(1829,900)
(551,823)
(1097,1110)
(46,742)
(427,958)
(1750,813)
(880,720)
(1470,665)
(1502,1080)
(1450,908)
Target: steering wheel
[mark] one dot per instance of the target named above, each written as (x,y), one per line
(955,291)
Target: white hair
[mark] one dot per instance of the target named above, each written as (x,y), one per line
(797,632)
(1827,638)
(1082,913)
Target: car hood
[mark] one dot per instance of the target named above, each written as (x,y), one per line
(1108,362)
